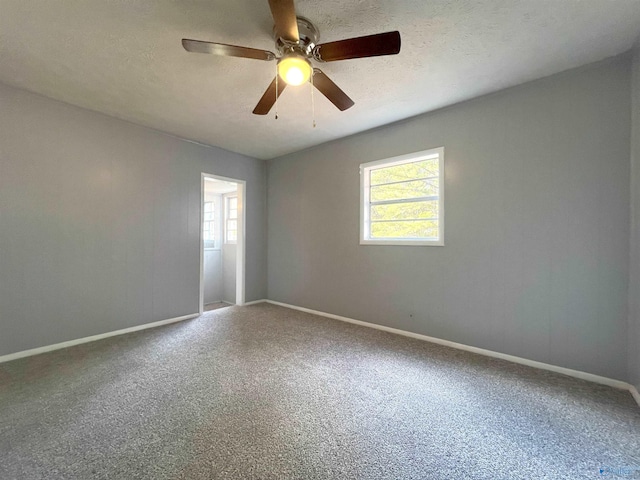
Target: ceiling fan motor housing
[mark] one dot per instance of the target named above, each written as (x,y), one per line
(309,38)
(296,41)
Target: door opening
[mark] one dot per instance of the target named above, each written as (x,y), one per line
(222,242)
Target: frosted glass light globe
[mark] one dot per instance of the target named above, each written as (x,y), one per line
(294,69)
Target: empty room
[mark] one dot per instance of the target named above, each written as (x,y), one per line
(286,239)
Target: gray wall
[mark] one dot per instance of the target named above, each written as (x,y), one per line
(212,275)
(100,222)
(537,224)
(634,287)
(229,258)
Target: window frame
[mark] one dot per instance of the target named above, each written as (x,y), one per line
(365,204)
(211,224)
(228,218)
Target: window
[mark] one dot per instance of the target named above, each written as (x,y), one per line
(231,220)
(209,226)
(401,200)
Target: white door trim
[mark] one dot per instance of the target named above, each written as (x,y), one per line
(241,243)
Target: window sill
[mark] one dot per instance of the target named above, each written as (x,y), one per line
(404,243)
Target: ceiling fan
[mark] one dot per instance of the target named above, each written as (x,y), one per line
(297,45)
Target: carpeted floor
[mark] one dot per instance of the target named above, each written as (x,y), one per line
(215,306)
(267,392)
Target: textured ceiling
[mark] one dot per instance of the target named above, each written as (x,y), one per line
(124,58)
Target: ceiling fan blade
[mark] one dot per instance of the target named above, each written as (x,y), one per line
(269,97)
(370,46)
(331,90)
(197,46)
(284,16)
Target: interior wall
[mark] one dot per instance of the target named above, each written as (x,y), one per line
(634,287)
(535,262)
(100,222)
(229,272)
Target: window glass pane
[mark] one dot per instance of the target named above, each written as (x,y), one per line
(407,171)
(233,203)
(232,236)
(416,229)
(233,213)
(410,189)
(403,202)
(232,225)
(208,233)
(405,211)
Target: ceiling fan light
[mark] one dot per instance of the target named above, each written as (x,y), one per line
(294,69)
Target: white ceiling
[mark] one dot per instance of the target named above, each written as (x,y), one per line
(124,58)
(215,186)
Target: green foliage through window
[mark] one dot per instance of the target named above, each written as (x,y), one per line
(402,199)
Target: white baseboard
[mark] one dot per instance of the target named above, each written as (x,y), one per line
(634,393)
(460,346)
(93,338)
(255,302)
(489,353)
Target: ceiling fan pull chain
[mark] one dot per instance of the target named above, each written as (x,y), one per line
(276,102)
(313,105)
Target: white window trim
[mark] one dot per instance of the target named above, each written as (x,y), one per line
(213,223)
(227,203)
(364,198)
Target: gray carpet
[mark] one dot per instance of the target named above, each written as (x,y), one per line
(215,306)
(267,392)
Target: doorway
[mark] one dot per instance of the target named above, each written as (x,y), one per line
(222,242)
